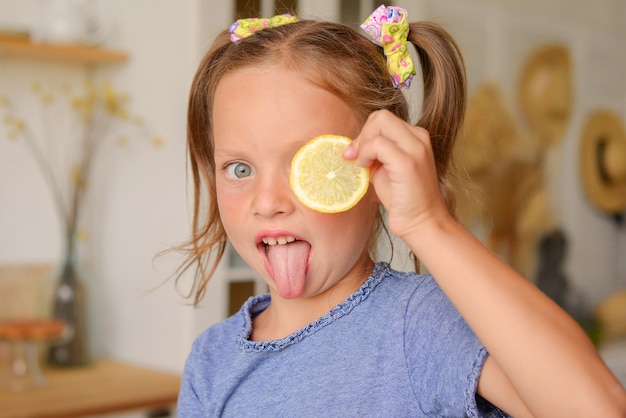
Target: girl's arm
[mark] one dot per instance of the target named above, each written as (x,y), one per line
(541,363)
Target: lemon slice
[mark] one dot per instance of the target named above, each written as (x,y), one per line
(325,181)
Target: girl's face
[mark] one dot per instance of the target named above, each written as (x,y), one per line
(261,117)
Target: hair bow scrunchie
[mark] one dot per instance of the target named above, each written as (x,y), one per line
(243,28)
(389,27)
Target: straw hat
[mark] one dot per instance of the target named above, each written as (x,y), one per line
(545,92)
(603,162)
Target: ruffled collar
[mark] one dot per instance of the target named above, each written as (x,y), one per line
(258,304)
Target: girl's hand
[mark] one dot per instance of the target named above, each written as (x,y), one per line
(402,170)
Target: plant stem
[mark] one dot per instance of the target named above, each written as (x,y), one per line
(49,177)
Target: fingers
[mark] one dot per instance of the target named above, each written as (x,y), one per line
(385,138)
(402,168)
(394,143)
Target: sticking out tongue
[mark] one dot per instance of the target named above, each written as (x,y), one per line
(289,263)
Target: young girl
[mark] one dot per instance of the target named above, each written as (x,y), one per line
(338,334)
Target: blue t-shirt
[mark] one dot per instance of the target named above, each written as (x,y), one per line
(395,348)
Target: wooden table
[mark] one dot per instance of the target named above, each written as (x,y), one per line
(103,387)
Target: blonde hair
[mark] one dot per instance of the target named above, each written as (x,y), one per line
(340,60)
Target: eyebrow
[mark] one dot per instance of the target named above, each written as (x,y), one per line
(228,152)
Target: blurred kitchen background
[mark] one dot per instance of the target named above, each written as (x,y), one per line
(542,74)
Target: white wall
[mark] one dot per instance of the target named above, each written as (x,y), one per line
(138,197)
(137,202)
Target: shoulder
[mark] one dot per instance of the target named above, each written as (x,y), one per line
(224,336)
(213,345)
(413,299)
(414,288)
(427,308)
(220,333)
(211,354)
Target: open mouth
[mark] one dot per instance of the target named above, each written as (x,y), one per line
(286,262)
(265,244)
(270,241)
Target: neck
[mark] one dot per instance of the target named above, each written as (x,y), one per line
(285,316)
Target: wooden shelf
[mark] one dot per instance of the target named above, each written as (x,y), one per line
(80,54)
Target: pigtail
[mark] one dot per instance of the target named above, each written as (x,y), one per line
(445,95)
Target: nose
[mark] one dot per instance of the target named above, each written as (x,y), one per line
(272,196)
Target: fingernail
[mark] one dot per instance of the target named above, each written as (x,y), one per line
(349,152)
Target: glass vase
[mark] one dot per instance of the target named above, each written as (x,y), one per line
(69,305)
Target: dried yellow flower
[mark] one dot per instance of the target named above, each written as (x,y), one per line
(122,142)
(102,110)
(157,141)
(47,98)
(77,176)
(83,235)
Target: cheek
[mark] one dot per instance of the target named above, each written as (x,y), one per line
(354,226)
(230,205)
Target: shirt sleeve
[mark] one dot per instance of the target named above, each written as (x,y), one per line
(189,403)
(444,356)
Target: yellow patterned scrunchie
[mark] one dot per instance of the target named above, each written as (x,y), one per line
(389,27)
(243,28)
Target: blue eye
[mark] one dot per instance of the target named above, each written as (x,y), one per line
(238,170)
